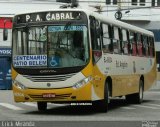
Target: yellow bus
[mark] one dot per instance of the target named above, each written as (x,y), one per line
(78,56)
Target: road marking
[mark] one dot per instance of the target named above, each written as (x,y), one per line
(144,106)
(130,108)
(156,99)
(10,106)
(154,105)
(29,104)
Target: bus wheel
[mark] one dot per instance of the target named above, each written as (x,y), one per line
(42,106)
(137,97)
(102,106)
(141,90)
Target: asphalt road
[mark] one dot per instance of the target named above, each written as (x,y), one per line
(120,113)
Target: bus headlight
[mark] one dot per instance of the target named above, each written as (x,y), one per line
(82,82)
(19,85)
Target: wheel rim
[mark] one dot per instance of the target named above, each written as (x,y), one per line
(108,93)
(141,91)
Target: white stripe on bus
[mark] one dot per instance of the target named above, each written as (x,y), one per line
(130,108)
(144,106)
(158,105)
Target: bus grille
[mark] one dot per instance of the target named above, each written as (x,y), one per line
(57,97)
(49,78)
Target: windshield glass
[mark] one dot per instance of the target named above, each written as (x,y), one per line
(55,46)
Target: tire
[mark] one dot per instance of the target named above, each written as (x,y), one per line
(102,106)
(137,98)
(141,91)
(42,106)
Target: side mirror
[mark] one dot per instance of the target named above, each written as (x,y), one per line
(5,34)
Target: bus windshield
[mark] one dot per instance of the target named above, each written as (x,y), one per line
(53,46)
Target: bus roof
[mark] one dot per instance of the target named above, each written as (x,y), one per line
(120,24)
(102,18)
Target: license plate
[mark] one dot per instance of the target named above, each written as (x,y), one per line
(48,95)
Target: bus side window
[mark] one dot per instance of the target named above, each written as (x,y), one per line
(129,43)
(151,47)
(116,40)
(95,30)
(145,46)
(148,46)
(132,40)
(107,45)
(95,34)
(139,44)
(125,43)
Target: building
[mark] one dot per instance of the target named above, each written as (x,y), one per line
(5,52)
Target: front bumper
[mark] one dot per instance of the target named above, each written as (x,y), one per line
(60,95)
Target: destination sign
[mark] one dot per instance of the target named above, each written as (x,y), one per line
(49,16)
(29,60)
(62,28)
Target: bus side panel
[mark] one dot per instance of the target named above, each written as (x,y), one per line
(150,77)
(98,82)
(125,84)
